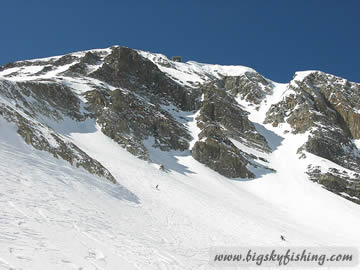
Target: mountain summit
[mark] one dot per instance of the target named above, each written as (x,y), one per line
(143,101)
(99,124)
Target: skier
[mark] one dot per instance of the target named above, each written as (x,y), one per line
(157,187)
(282,238)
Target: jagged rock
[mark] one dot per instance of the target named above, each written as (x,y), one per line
(44,139)
(135,100)
(126,68)
(219,153)
(65,60)
(332,182)
(341,183)
(129,119)
(218,107)
(312,106)
(97,100)
(40,98)
(52,95)
(91,58)
(338,94)
(251,86)
(44,70)
(81,68)
(327,107)
(221,117)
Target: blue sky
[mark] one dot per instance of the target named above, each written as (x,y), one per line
(276,38)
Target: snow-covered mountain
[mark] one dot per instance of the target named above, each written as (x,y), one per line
(238,159)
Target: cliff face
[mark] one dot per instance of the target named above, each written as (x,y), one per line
(204,111)
(327,109)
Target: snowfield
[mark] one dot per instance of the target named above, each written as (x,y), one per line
(55,216)
(59,217)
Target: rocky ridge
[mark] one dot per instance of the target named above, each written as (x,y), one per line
(134,95)
(325,107)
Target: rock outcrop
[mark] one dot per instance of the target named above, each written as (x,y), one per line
(222,118)
(251,87)
(327,107)
(216,151)
(138,97)
(129,119)
(219,107)
(126,68)
(43,138)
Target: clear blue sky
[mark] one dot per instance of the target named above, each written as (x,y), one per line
(274,37)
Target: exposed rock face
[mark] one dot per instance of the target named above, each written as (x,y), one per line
(52,98)
(340,95)
(221,117)
(220,154)
(126,68)
(137,97)
(251,86)
(33,101)
(82,67)
(312,106)
(37,98)
(129,119)
(44,139)
(129,116)
(327,107)
(220,108)
(342,183)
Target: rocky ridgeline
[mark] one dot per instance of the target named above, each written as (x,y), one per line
(132,110)
(222,118)
(129,119)
(46,100)
(251,87)
(129,114)
(129,96)
(127,69)
(328,108)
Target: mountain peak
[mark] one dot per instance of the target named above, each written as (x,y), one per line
(132,153)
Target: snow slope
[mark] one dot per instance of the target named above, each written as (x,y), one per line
(192,73)
(55,216)
(58,217)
